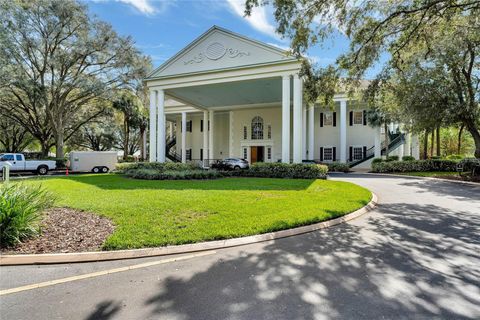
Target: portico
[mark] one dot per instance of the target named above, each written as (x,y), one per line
(222,72)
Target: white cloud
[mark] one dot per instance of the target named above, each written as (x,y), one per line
(144,6)
(258,19)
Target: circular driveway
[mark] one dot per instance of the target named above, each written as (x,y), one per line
(416,256)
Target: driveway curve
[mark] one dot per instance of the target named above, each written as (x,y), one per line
(416,256)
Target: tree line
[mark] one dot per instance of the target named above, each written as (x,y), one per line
(68,79)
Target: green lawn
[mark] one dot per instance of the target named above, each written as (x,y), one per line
(158,213)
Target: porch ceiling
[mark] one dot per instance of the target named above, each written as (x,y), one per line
(230,94)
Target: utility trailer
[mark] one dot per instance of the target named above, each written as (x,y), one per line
(92,161)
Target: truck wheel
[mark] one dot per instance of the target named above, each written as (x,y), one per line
(42,170)
(104,169)
(96,170)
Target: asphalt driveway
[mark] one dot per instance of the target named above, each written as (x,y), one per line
(417,256)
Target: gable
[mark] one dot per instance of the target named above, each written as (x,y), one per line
(219,49)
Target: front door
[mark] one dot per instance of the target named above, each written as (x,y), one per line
(257,154)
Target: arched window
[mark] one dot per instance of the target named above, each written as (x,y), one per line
(257,128)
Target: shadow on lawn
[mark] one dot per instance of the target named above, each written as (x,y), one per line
(118,182)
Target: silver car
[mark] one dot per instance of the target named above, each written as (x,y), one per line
(234,164)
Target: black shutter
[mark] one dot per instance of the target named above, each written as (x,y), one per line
(334,119)
(321,153)
(321,119)
(334,153)
(191,126)
(201,153)
(201,126)
(350,153)
(364,117)
(190,155)
(364,151)
(351,118)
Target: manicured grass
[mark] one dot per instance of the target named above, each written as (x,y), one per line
(429,173)
(158,213)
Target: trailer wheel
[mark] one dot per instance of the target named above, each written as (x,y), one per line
(96,170)
(104,169)
(42,170)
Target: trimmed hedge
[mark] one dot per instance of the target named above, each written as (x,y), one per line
(172,166)
(408,158)
(287,170)
(154,174)
(377,160)
(337,167)
(415,165)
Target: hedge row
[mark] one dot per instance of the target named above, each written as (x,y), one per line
(416,165)
(171,171)
(172,166)
(154,174)
(337,167)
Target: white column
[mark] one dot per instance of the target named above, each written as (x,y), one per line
(311,132)
(286,119)
(153,126)
(184,137)
(304,132)
(415,147)
(205,138)
(210,136)
(378,143)
(161,126)
(400,152)
(343,131)
(297,119)
(407,146)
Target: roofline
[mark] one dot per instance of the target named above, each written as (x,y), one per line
(214,27)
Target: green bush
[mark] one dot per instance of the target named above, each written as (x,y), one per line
(391,158)
(173,166)
(454,157)
(377,160)
(408,158)
(414,166)
(21,208)
(337,167)
(287,170)
(154,174)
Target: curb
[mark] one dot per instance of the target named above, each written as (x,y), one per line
(426,178)
(53,258)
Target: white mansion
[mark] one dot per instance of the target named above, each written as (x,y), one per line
(225,95)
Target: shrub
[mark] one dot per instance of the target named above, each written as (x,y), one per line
(154,174)
(454,157)
(408,158)
(414,165)
(391,158)
(337,167)
(286,170)
(21,208)
(173,166)
(377,160)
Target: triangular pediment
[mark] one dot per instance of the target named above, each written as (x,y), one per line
(219,49)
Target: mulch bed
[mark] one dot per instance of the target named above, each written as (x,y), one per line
(66,230)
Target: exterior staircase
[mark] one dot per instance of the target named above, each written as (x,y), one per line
(396,140)
(170,152)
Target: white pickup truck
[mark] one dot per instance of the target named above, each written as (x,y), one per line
(18,163)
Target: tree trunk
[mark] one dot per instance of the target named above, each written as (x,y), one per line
(126,139)
(459,143)
(432,146)
(59,145)
(471,127)
(425,145)
(45,146)
(438,141)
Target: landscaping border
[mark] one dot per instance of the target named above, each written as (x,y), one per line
(74,257)
(476,184)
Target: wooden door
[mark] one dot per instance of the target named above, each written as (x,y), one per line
(253,154)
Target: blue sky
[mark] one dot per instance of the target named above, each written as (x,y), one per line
(161,28)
